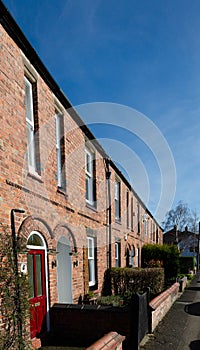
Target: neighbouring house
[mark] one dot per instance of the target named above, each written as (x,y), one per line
(186,241)
(74,209)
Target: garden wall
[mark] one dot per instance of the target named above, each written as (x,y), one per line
(110,341)
(162,303)
(82,325)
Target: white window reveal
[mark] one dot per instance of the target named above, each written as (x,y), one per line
(117,201)
(91,261)
(60,151)
(89,170)
(30,125)
(117,254)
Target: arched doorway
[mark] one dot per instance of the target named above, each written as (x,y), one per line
(38,281)
(64,270)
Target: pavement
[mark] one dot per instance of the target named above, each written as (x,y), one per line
(180,328)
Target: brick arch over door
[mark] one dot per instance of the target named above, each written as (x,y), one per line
(64,230)
(31,224)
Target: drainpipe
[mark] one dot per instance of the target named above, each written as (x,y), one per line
(108,174)
(16,274)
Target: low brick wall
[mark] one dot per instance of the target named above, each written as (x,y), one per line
(110,341)
(162,303)
(83,325)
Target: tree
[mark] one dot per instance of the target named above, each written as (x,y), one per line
(179,217)
(194,221)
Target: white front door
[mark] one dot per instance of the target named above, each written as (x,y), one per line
(64,271)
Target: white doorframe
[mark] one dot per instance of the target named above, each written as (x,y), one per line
(42,247)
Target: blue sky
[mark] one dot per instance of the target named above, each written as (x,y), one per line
(142,54)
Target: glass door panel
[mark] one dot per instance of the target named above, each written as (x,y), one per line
(39,274)
(30,276)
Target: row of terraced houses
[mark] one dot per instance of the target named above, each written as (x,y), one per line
(75,210)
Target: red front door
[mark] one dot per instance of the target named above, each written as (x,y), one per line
(36,277)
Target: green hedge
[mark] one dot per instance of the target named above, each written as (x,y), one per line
(123,281)
(165,255)
(186,264)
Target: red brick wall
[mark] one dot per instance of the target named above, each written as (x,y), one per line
(110,341)
(162,303)
(47,210)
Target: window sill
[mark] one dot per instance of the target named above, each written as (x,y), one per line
(62,191)
(118,221)
(92,207)
(35,176)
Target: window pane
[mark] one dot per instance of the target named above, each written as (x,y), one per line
(87,188)
(90,248)
(30,141)
(38,274)
(30,275)
(88,163)
(89,169)
(59,167)
(60,153)
(28,100)
(116,251)
(116,190)
(91,272)
(117,200)
(35,240)
(91,261)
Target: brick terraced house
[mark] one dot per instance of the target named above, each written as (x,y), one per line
(73,207)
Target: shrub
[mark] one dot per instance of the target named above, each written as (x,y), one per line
(109,300)
(10,311)
(126,281)
(163,255)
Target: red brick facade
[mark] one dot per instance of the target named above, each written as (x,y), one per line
(52,212)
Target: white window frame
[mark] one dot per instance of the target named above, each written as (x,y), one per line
(117,254)
(89,173)
(145,224)
(58,117)
(131,256)
(91,261)
(128,209)
(117,200)
(138,219)
(132,214)
(30,125)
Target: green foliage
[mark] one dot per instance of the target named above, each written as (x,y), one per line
(188,275)
(165,255)
(9,281)
(186,264)
(127,281)
(110,300)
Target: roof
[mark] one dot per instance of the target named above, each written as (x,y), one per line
(170,236)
